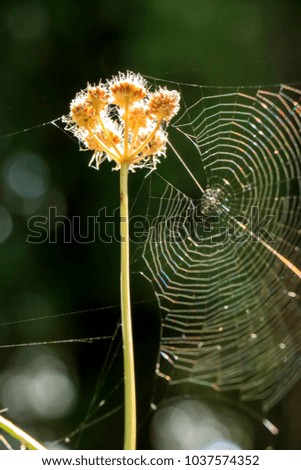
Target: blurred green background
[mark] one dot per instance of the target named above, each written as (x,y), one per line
(49,50)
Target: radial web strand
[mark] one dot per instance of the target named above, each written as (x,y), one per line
(225,261)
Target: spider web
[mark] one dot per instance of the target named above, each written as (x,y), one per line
(227,286)
(225,262)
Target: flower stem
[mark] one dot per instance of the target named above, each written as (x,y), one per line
(28,441)
(128,351)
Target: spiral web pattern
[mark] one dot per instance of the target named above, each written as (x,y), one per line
(225,266)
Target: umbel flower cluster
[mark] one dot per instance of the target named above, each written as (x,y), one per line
(123,121)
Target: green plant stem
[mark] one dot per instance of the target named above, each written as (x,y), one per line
(28,441)
(127,335)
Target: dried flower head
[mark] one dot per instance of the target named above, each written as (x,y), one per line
(82,113)
(164,104)
(155,146)
(138,116)
(122,121)
(97,139)
(127,88)
(98,96)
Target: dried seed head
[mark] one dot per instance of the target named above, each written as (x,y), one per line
(98,97)
(127,89)
(95,140)
(122,121)
(82,113)
(110,135)
(138,116)
(157,144)
(164,104)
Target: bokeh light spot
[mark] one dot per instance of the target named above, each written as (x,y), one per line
(37,388)
(192,424)
(27,175)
